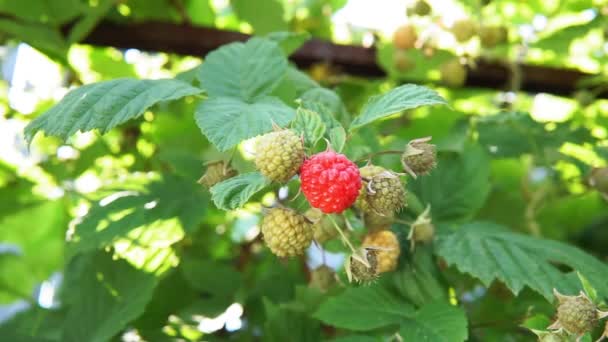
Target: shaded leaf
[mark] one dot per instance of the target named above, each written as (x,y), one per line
(310,125)
(436,322)
(337,138)
(104,296)
(234,192)
(226,121)
(489,251)
(364,308)
(458,187)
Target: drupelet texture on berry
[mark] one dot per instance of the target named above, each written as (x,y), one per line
(286,232)
(330,182)
(279,155)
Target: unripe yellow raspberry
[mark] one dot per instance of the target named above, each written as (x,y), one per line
(286,232)
(405,37)
(388,249)
(279,155)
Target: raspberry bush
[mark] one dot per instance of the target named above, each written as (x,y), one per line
(280,188)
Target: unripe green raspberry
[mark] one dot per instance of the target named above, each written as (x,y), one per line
(382,192)
(419,157)
(576,314)
(463,30)
(453,74)
(323,278)
(279,155)
(421,8)
(388,249)
(374,221)
(358,271)
(286,232)
(216,172)
(402,61)
(322,227)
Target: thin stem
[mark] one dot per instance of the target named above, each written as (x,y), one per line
(409,223)
(374,154)
(344,238)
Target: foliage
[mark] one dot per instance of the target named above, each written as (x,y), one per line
(106,234)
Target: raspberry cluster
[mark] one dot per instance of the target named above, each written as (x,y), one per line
(331,183)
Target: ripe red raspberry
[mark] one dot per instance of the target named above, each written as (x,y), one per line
(330,181)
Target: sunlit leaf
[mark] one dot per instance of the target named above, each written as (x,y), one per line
(105,105)
(407,96)
(245,71)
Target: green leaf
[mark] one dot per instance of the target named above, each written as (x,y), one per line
(358,338)
(283,325)
(246,71)
(489,251)
(310,125)
(227,121)
(364,308)
(437,322)
(234,192)
(458,187)
(105,105)
(211,276)
(289,41)
(587,287)
(149,221)
(251,12)
(327,103)
(103,296)
(91,18)
(511,134)
(417,280)
(45,38)
(337,138)
(405,97)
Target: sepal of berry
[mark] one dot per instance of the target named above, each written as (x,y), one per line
(551,336)
(286,232)
(387,246)
(419,157)
(362,266)
(330,182)
(279,155)
(216,172)
(422,230)
(323,278)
